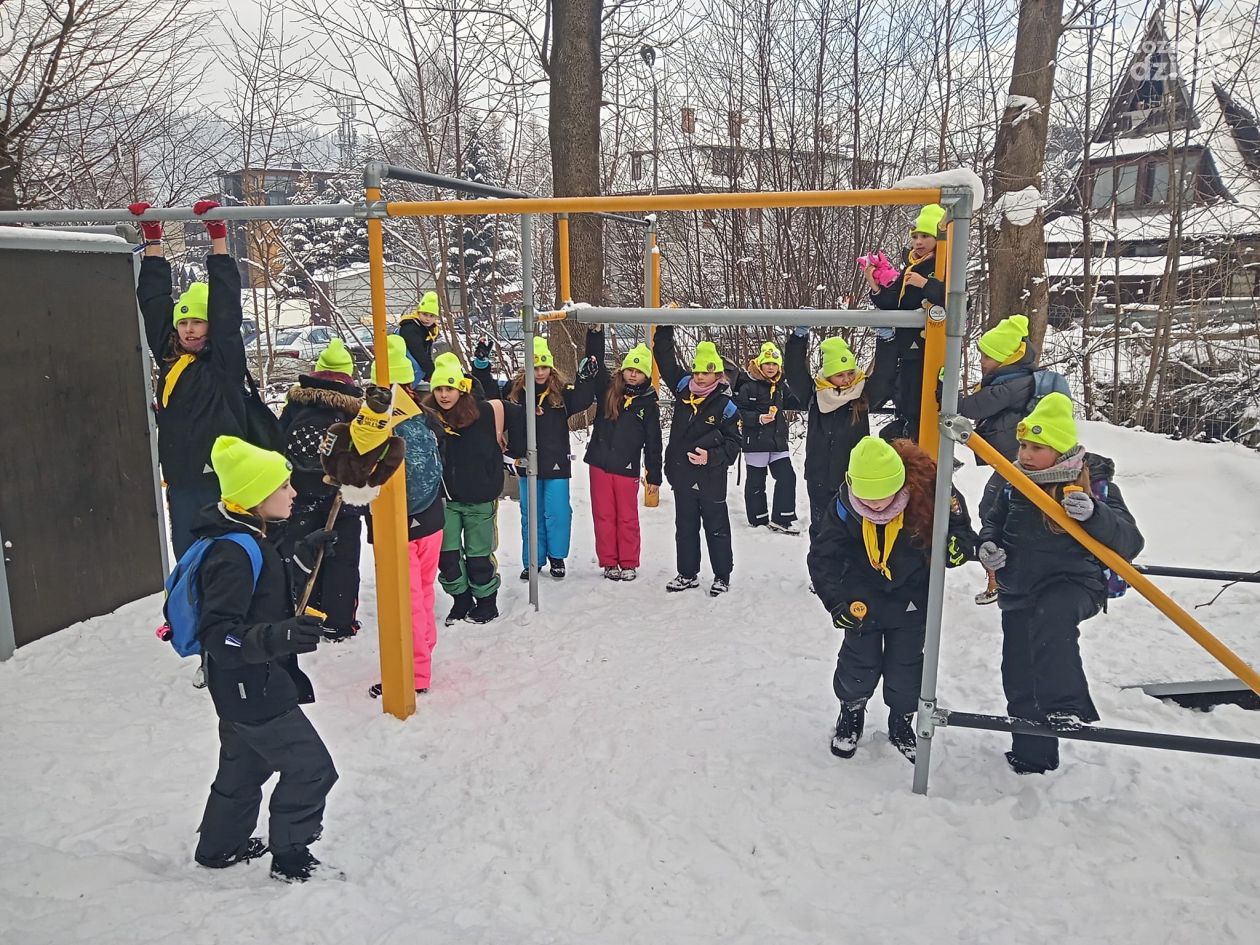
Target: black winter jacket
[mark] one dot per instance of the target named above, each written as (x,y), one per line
(472,463)
(754,395)
(419,341)
(315,404)
(842,573)
(622,446)
(552,426)
(208,398)
(1037,557)
(907,390)
(1000,403)
(245,684)
(829,437)
(712,424)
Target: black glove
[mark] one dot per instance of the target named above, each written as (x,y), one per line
(483,351)
(588,368)
(295,635)
(954,553)
(306,550)
(848,617)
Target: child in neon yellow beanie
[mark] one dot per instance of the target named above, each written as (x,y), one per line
(556,401)
(917,289)
(1048,583)
(1007,364)
(870,568)
(251,640)
(763,399)
(704,441)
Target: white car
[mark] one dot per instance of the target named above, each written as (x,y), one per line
(307,342)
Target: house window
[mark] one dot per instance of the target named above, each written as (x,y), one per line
(636,166)
(720,162)
(689,121)
(1116,185)
(1140,184)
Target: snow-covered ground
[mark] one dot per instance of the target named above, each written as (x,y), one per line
(631,767)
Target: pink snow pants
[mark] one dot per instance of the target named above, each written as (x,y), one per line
(422,561)
(615,509)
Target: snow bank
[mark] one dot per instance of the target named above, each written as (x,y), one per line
(628,766)
(1018,207)
(960,177)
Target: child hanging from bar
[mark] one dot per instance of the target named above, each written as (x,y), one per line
(472,474)
(625,437)
(870,568)
(1048,583)
(916,289)
(704,440)
(999,403)
(197,346)
(557,401)
(763,400)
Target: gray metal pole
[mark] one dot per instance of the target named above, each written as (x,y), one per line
(955,328)
(297,211)
(8,639)
(821,318)
(531,402)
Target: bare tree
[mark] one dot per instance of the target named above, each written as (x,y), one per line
(82,81)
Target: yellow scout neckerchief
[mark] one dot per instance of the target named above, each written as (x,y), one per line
(172,376)
(870,538)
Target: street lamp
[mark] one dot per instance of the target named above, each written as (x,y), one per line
(648,55)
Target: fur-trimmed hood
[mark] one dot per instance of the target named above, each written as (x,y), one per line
(320,392)
(755,372)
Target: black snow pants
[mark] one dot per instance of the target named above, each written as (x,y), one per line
(868,654)
(784,510)
(692,512)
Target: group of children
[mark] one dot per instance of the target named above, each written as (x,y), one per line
(870,500)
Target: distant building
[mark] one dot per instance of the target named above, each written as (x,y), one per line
(256,244)
(1176,154)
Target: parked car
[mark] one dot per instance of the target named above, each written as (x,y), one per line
(306,343)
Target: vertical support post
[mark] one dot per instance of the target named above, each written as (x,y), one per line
(955,326)
(530,326)
(389,519)
(652,289)
(562,241)
(934,357)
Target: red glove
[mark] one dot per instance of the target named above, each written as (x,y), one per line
(152,229)
(216,228)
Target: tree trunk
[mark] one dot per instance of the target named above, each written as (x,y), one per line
(1017,260)
(573,128)
(8,178)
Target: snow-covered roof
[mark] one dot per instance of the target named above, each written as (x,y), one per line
(1201,221)
(1211,57)
(1073,267)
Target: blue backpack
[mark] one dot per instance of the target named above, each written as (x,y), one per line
(423,464)
(182,609)
(1047,382)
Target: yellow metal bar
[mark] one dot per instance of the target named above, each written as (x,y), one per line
(562,240)
(934,358)
(655,302)
(1139,582)
(389,521)
(662,202)
(558,315)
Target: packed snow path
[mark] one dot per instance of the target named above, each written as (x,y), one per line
(631,767)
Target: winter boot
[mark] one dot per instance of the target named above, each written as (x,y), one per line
(901,734)
(989,594)
(376,689)
(524,574)
(721,584)
(557,568)
(613,573)
(299,866)
(683,582)
(485,609)
(253,849)
(788,529)
(629,574)
(849,728)
(459,607)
